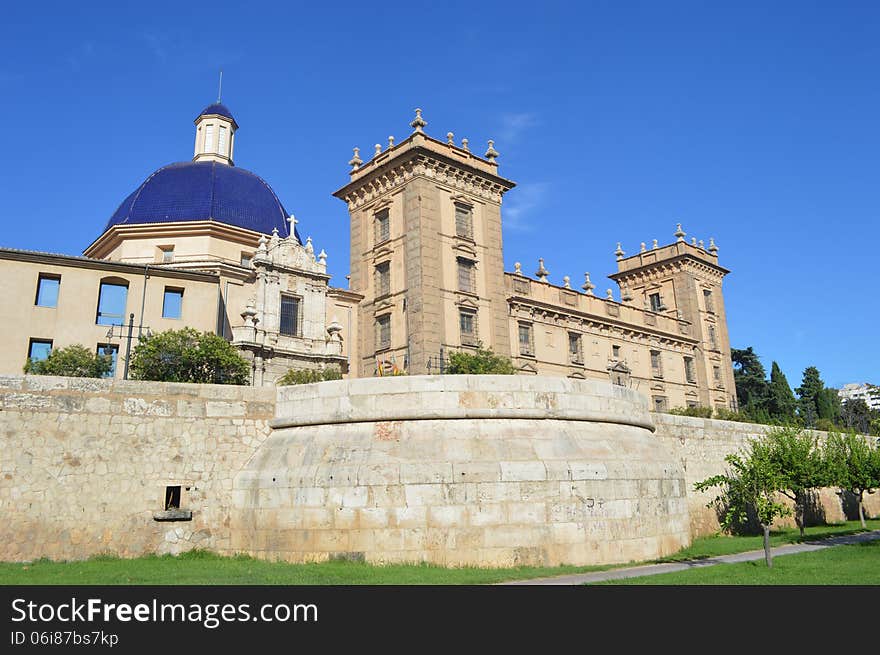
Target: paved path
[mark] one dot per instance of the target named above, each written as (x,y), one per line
(669,567)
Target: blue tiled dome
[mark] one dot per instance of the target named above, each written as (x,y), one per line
(200,191)
(217,108)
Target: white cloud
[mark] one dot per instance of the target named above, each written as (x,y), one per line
(514,125)
(518,212)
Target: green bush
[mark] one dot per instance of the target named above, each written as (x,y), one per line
(481,362)
(74,361)
(698,411)
(307,376)
(724,414)
(187,355)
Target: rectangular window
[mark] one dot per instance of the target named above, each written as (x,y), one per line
(289,315)
(464,221)
(659,403)
(172,304)
(111,303)
(39,349)
(525,339)
(209,138)
(713,342)
(383,332)
(172,497)
(246,259)
(575,349)
(689,372)
(383,279)
(716,372)
(383,226)
(615,352)
(656,364)
(467,321)
(467,277)
(656,303)
(707,298)
(221,140)
(112,350)
(47,290)
(167,254)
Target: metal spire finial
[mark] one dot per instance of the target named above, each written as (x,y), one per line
(220,87)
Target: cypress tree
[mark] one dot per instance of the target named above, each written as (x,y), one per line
(808,395)
(781,403)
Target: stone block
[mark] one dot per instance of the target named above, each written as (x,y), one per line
(425,494)
(588,470)
(526,513)
(217,408)
(485,514)
(446,516)
(525,470)
(425,473)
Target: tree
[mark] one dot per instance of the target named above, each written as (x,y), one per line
(749,377)
(74,361)
(828,404)
(853,465)
(808,395)
(781,403)
(482,362)
(187,355)
(856,415)
(797,457)
(750,483)
(307,376)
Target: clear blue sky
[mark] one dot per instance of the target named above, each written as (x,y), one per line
(752,122)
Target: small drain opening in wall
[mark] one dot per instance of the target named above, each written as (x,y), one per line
(172,497)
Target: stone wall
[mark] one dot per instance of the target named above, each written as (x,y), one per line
(461,470)
(498,470)
(84,463)
(701,445)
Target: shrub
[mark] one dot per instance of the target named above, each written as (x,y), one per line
(307,376)
(482,362)
(698,411)
(74,361)
(724,414)
(187,355)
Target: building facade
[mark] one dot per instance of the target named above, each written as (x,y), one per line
(861,391)
(209,245)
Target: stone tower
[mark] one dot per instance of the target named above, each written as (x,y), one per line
(683,280)
(426,252)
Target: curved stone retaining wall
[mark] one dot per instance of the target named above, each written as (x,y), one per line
(461,470)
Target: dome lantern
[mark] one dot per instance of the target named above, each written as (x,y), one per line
(215,134)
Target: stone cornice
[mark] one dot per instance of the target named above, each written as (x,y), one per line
(105,265)
(420,162)
(673,264)
(116,234)
(598,321)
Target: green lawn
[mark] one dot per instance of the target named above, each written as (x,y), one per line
(720,544)
(200,567)
(857,564)
(204,568)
